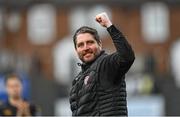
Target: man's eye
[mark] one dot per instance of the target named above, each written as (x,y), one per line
(80,45)
(91,42)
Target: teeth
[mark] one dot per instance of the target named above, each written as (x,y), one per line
(87,53)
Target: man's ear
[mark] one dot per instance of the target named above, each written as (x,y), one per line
(100,44)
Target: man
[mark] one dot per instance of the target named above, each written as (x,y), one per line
(16,105)
(100,89)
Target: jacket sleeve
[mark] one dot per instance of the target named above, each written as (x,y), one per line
(119,62)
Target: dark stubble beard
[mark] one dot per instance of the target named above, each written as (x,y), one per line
(95,55)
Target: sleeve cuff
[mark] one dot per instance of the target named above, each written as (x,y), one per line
(113,31)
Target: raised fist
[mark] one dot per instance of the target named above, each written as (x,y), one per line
(103,20)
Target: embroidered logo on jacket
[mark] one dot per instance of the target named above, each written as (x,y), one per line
(86,80)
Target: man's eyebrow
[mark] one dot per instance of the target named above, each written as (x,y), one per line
(90,41)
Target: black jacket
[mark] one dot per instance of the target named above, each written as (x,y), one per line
(100,87)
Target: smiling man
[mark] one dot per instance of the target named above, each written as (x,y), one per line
(100,88)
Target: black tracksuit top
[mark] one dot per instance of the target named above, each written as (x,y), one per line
(107,94)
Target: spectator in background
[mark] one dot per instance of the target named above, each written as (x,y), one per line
(16,105)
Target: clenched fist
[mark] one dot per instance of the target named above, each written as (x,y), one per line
(103,20)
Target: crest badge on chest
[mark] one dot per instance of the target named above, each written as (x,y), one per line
(86,80)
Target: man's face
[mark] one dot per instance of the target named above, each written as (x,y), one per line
(14,88)
(87,47)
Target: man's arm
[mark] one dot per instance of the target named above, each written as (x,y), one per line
(119,62)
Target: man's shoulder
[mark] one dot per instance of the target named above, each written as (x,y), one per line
(5,110)
(6,105)
(3,107)
(2,104)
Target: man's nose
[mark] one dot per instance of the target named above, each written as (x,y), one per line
(86,46)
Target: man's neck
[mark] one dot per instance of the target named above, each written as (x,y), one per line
(15,101)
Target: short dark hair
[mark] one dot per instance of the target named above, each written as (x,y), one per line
(86,29)
(11,76)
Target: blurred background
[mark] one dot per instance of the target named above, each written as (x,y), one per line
(36,41)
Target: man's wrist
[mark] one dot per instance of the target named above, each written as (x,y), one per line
(109,24)
(110,27)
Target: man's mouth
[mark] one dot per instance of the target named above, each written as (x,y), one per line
(87,54)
